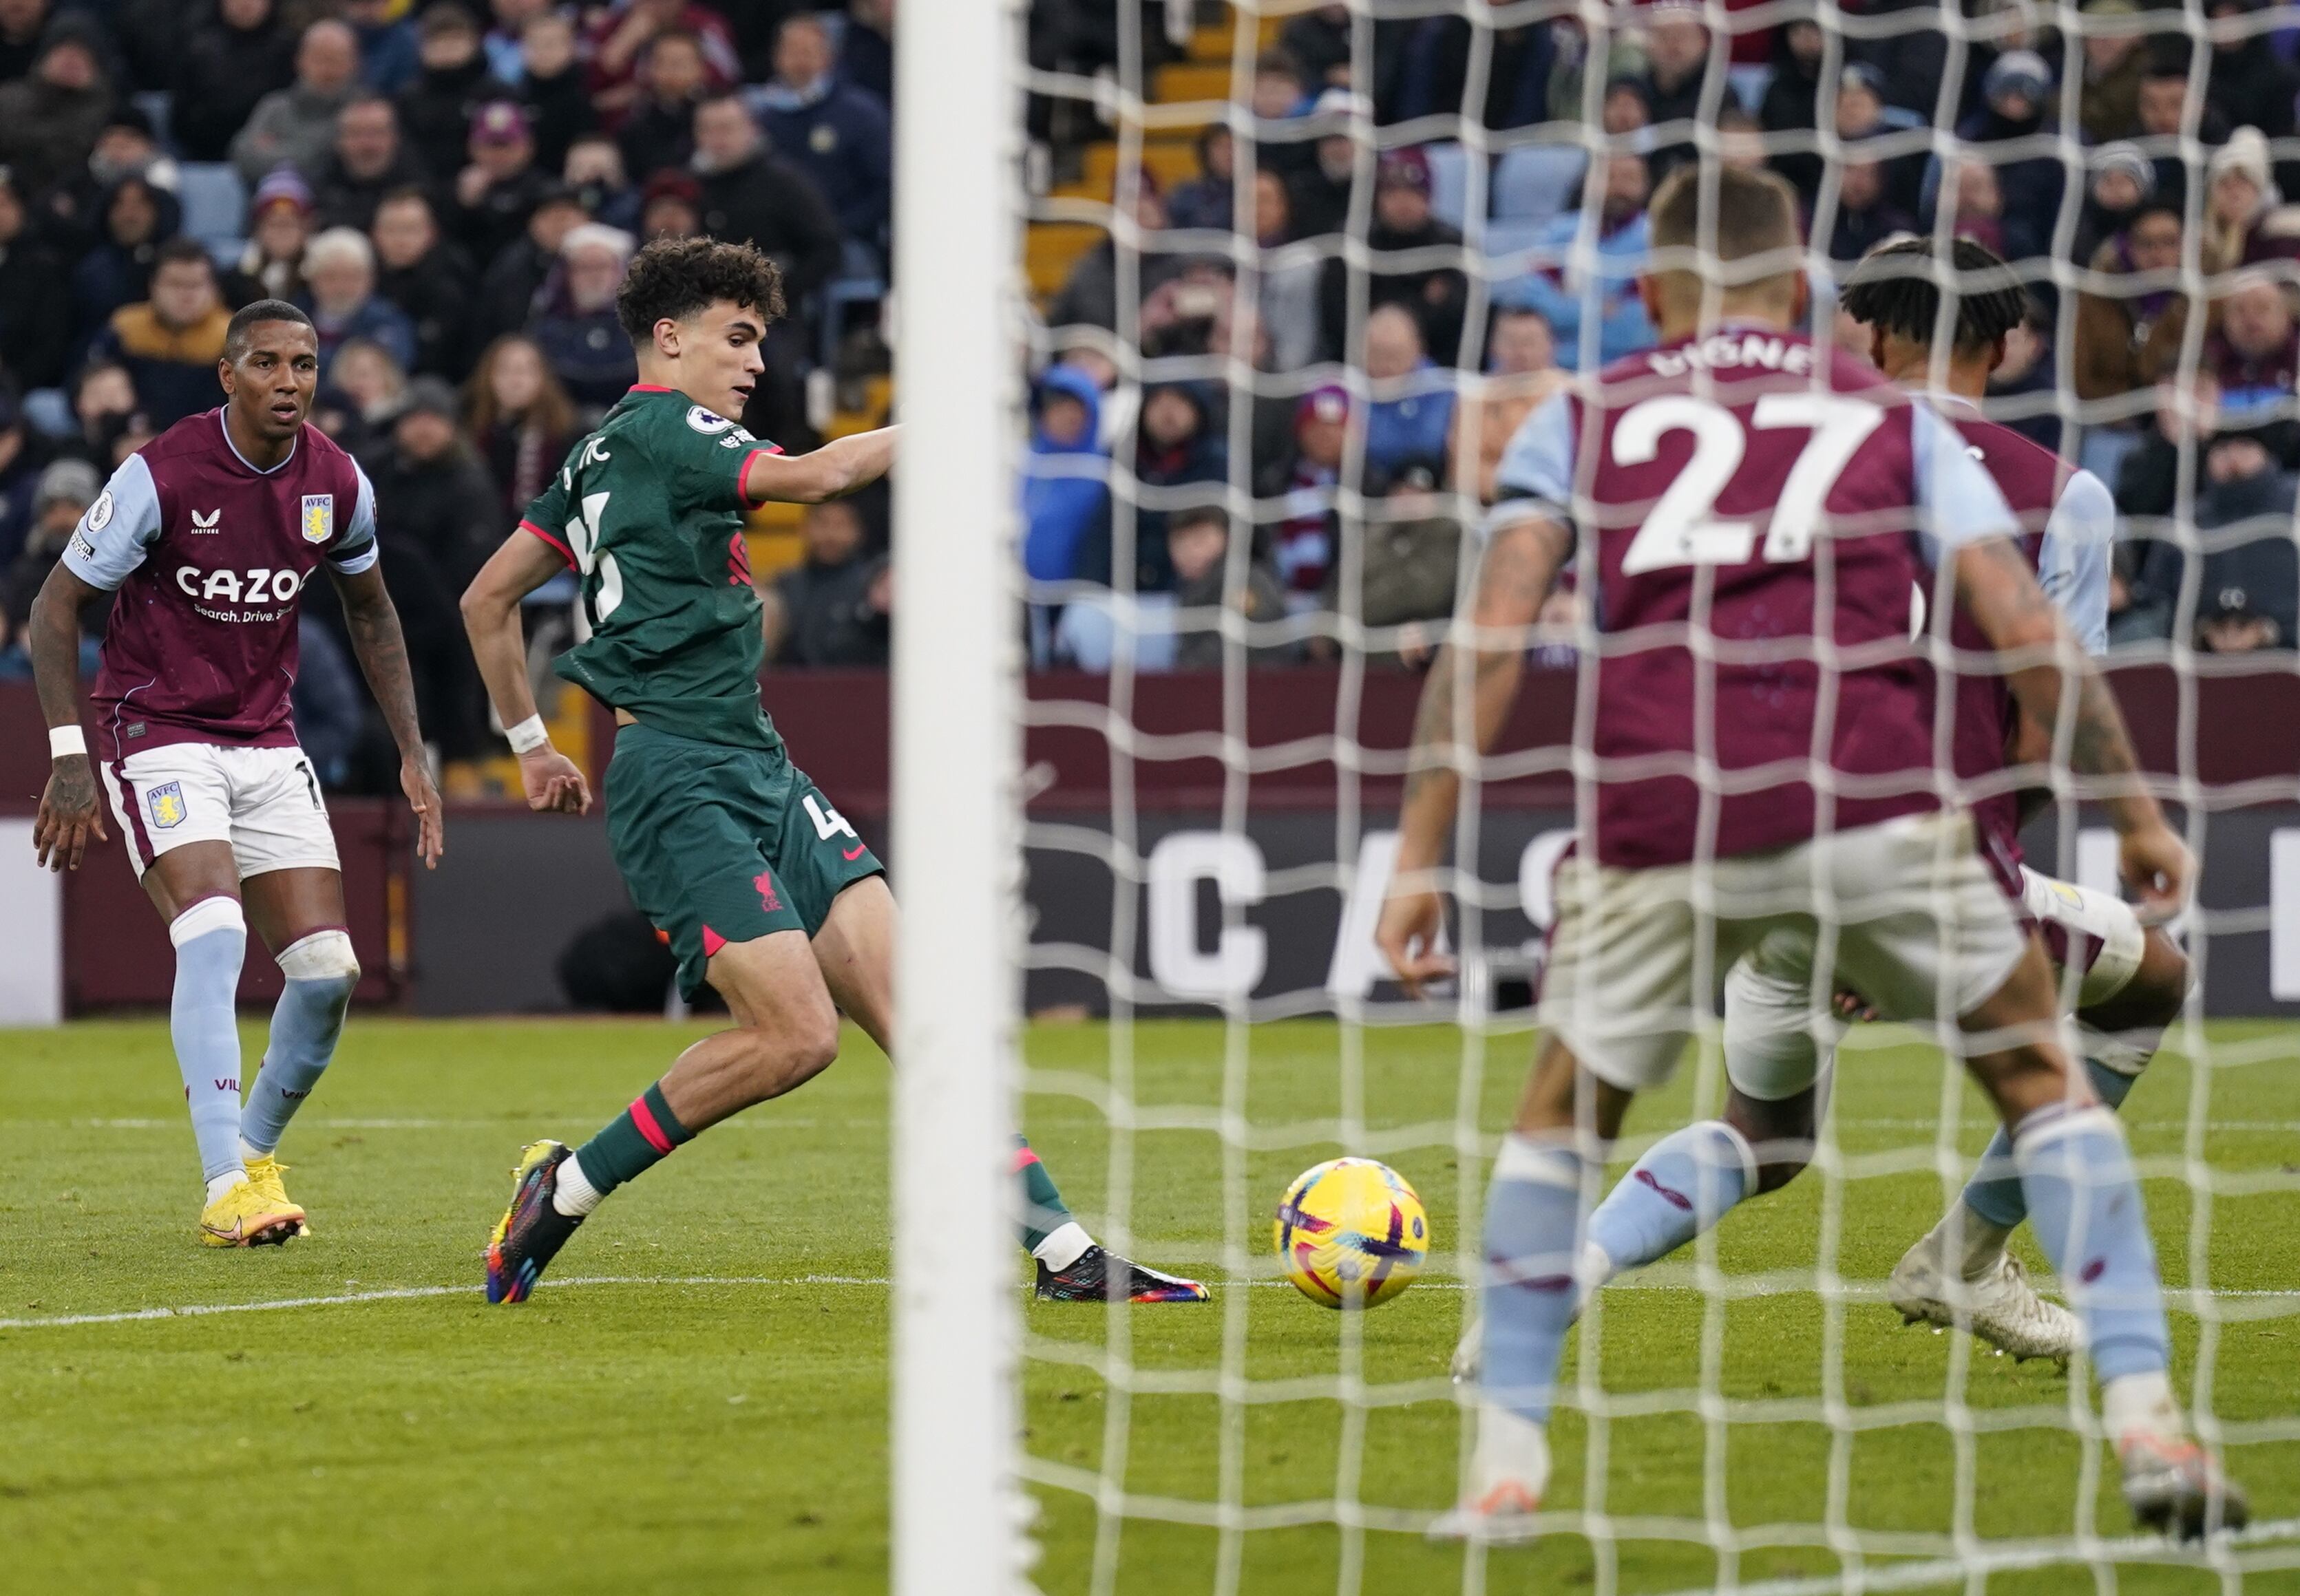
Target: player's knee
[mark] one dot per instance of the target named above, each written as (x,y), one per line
(1780,1133)
(2159,990)
(794,1043)
(324,956)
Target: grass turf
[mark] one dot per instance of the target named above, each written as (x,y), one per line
(710,1414)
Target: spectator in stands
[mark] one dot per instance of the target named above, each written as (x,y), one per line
(429,279)
(1306,540)
(595,171)
(232,60)
(2147,479)
(866,55)
(2114,352)
(1065,484)
(1413,411)
(1863,114)
(520,419)
(658,130)
(2164,101)
(2245,219)
(751,196)
(2028,372)
(1409,567)
(2123,178)
(1289,291)
(553,85)
(2248,83)
(360,399)
(2251,592)
(1318,189)
(1276,95)
(1978,205)
(36,317)
(1740,139)
(2017,91)
(576,328)
(832,608)
(1088,297)
(1561,299)
(501,185)
(1197,552)
(1521,371)
(1791,102)
(21,23)
(49,119)
(137,220)
(111,426)
(279,229)
(440,109)
(1178,443)
(1523,73)
(367,160)
(389,55)
(1866,215)
(1676,60)
(330,714)
(2254,352)
(297,124)
(671,207)
(2109,103)
(171,342)
(1207,200)
(339,267)
(67,488)
(506,40)
(622,31)
(1402,220)
(24,454)
(836,134)
(513,278)
(431,490)
(71,212)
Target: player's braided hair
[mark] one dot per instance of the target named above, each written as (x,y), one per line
(1893,290)
(675,278)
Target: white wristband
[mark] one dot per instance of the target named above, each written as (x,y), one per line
(527,735)
(66,740)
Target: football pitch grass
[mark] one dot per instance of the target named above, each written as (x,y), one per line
(696,1399)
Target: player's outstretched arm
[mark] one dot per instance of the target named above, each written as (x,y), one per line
(1521,565)
(491,619)
(71,811)
(2054,679)
(382,649)
(838,468)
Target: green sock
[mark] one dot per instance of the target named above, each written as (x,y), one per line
(633,1142)
(1044,1212)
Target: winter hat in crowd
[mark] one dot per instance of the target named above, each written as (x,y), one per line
(1330,404)
(596,235)
(499,121)
(1404,168)
(2018,71)
(2125,157)
(2246,151)
(429,396)
(67,482)
(282,184)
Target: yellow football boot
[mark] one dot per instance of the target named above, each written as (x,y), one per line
(247,1215)
(263,1173)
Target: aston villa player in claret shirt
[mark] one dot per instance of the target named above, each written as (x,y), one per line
(1750,515)
(206,537)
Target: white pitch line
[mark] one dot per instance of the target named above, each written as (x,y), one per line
(2147,1549)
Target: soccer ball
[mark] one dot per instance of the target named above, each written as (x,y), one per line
(1350,1233)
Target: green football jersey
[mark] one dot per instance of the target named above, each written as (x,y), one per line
(649,511)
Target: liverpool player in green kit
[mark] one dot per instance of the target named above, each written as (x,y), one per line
(763,887)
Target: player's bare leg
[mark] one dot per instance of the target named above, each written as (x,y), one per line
(299,913)
(2084,1203)
(1960,1274)
(196,888)
(786,1033)
(855,951)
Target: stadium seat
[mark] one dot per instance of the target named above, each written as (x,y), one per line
(1093,632)
(215,202)
(1535,182)
(1505,238)
(1449,182)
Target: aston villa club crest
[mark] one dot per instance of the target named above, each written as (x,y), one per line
(319,517)
(166,804)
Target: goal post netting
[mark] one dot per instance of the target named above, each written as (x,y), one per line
(1216,377)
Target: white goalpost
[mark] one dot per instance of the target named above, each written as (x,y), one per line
(956,825)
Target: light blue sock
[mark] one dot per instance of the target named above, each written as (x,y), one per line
(211,938)
(1533,1222)
(1681,1187)
(1994,1192)
(2084,1204)
(321,974)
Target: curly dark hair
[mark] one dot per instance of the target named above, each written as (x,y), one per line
(1896,287)
(680,278)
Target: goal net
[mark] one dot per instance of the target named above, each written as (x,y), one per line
(1266,286)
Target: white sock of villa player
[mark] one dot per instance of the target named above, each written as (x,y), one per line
(1681,1187)
(2084,1204)
(211,939)
(321,972)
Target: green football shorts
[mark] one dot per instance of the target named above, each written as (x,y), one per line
(720,844)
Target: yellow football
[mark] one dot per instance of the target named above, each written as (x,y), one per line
(1350,1233)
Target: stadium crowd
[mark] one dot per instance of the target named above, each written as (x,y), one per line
(452,190)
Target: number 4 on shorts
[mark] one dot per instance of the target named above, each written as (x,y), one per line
(828,822)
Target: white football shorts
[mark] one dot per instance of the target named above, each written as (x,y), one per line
(264,802)
(1923,930)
